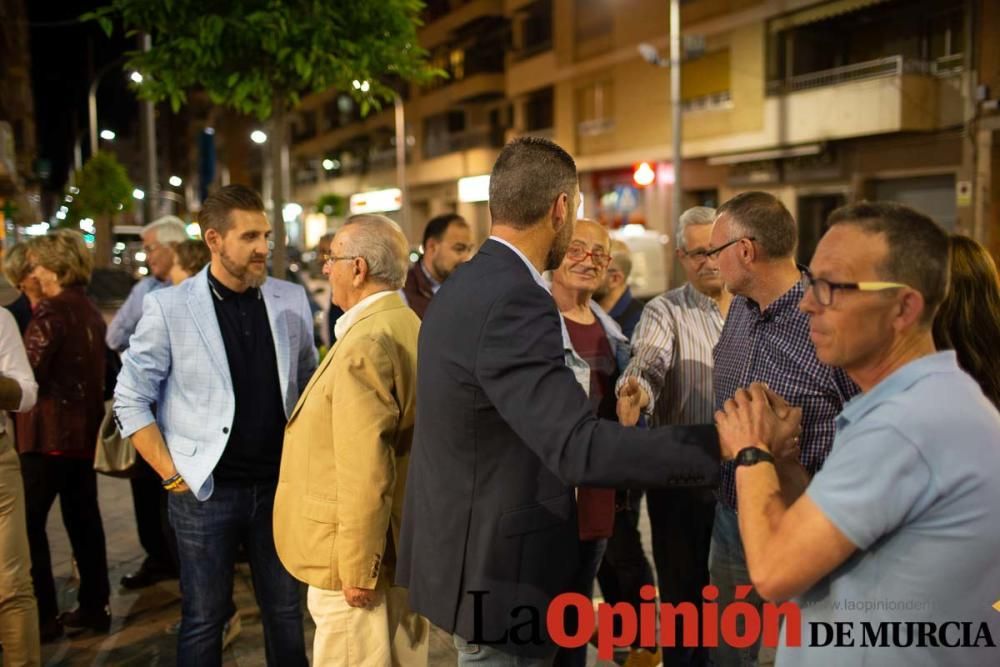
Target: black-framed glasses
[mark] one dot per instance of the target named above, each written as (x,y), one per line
(822,290)
(699,255)
(714,252)
(578,252)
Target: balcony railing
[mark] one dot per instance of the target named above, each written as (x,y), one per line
(873,69)
(713,102)
(590,128)
(442,144)
(948,65)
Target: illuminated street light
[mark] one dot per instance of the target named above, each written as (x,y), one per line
(175,181)
(328,164)
(108,135)
(258,136)
(136,77)
(138,194)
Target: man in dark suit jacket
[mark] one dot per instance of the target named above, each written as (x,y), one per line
(504,432)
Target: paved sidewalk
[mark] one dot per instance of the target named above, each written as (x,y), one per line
(143,621)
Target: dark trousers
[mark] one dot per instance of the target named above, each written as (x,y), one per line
(155,534)
(625,570)
(208,534)
(681,525)
(591,552)
(75,482)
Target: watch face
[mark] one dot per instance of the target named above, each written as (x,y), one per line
(752,455)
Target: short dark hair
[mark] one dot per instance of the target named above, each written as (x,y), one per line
(528,176)
(439,224)
(918,247)
(763,216)
(217,206)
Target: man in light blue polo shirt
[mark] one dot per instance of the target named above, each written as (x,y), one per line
(892,550)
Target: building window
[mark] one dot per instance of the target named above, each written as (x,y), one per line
(535,25)
(440,131)
(594,108)
(456,64)
(539,110)
(594,18)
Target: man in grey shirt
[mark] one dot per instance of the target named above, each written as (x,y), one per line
(891,549)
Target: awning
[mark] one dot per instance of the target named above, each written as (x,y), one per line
(771,154)
(820,12)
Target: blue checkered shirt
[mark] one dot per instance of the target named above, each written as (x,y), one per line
(774,347)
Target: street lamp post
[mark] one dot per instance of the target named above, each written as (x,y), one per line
(404,211)
(92,101)
(149,140)
(652,56)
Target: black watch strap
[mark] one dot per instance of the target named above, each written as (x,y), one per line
(749,456)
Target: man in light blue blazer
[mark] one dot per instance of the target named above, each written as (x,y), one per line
(212,372)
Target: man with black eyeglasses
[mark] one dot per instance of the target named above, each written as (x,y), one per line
(765,339)
(669,379)
(901,519)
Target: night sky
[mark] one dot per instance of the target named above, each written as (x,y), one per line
(64,54)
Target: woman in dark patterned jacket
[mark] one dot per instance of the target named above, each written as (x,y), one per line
(57,438)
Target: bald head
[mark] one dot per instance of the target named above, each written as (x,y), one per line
(586,226)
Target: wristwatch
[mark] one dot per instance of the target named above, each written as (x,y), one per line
(749,456)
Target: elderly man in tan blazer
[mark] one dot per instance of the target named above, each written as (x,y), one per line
(338,507)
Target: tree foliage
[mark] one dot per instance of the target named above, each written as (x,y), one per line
(105,188)
(104,191)
(332,204)
(260,57)
(252,55)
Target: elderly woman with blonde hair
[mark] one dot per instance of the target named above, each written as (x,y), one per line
(57,438)
(18,273)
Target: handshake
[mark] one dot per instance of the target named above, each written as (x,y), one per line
(753,417)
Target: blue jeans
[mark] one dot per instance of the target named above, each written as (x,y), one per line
(727,567)
(489,656)
(208,535)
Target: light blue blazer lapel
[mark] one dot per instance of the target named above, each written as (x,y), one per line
(203,313)
(275,303)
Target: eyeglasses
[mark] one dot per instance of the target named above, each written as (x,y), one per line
(714,252)
(327,257)
(577,252)
(822,290)
(150,249)
(697,255)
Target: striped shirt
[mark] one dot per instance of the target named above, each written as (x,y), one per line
(773,346)
(672,356)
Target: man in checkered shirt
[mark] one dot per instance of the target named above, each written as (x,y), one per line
(765,339)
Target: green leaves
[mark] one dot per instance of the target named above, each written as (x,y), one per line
(242,52)
(104,186)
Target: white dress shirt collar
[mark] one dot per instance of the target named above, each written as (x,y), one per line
(353,314)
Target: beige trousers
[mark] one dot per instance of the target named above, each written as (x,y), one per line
(18,609)
(390,635)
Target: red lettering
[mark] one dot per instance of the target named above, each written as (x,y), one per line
(671,616)
(555,620)
(772,623)
(709,617)
(647,618)
(751,620)
(606,639)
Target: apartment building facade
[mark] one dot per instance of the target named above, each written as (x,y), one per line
(821,103)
